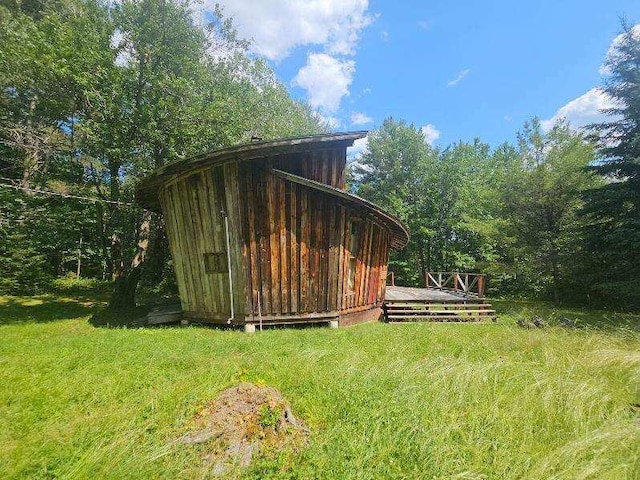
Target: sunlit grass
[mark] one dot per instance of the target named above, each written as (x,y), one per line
(382,401)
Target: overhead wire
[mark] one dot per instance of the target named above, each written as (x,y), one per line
(64,195)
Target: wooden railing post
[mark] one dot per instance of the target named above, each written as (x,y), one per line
(393,278)
(466,283)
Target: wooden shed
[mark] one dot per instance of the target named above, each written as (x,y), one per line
(264,233)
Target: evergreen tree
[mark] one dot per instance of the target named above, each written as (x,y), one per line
(613,234)
(541,203)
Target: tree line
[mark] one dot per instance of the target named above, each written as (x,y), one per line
(95,95)
(557,215)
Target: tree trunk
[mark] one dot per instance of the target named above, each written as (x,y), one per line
(126,279)
(555,272)
(124,291)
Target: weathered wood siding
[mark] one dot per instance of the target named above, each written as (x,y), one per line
(296,246)
(324,165)
(194,207)
(290,245)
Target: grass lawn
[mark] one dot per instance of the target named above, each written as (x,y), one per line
(82,400)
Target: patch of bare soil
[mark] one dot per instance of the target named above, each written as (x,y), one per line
(241,421)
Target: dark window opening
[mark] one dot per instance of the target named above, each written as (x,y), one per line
(215,262)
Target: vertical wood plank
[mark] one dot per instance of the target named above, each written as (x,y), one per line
(204,241)
(243,207)
(254,244)
(294,251)
(332,278)
(175,241)
(264,237)
(367,270)
(238,272)
(314,253)
(285,271)
(343,164)
(274,241)
(217,179)
(325,159)
(304,251)
(341,249)
(323,260)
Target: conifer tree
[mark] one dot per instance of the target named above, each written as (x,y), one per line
(613,235)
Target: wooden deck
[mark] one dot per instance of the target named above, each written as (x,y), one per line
(408,294)
(408,304)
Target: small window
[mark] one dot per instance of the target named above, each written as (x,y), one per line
(215,262)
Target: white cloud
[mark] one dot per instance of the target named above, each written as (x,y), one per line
(359,118)
(384,35)
(583,110)
(359,148)
(277,26)
(459,77)
(326,80)
(613,48)
(425,25)
(430,133)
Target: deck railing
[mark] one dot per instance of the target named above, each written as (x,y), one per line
(472,284)
(393,279)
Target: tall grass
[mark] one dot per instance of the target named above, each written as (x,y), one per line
(382,401)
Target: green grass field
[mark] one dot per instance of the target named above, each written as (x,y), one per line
(79,399)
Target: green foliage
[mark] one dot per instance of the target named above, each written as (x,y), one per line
(70,284)
(22,265)
(95,95)
(612,212)
(451,400)
(269,415)
(511,212)
(541,204)
(392,174)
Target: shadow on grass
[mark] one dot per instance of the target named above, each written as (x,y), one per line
(53,308)
(512,310)
(43,309)
(132,318)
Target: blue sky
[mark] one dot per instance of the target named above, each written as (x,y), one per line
(460,69)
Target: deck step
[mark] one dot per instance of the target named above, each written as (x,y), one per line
(431,305)
(468,310)
(439,315)
(440,309)
(451,318)
(448,318)
(439,312)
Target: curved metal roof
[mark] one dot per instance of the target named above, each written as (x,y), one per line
(147,189)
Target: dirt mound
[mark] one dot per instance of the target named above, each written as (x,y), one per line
(241,421)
